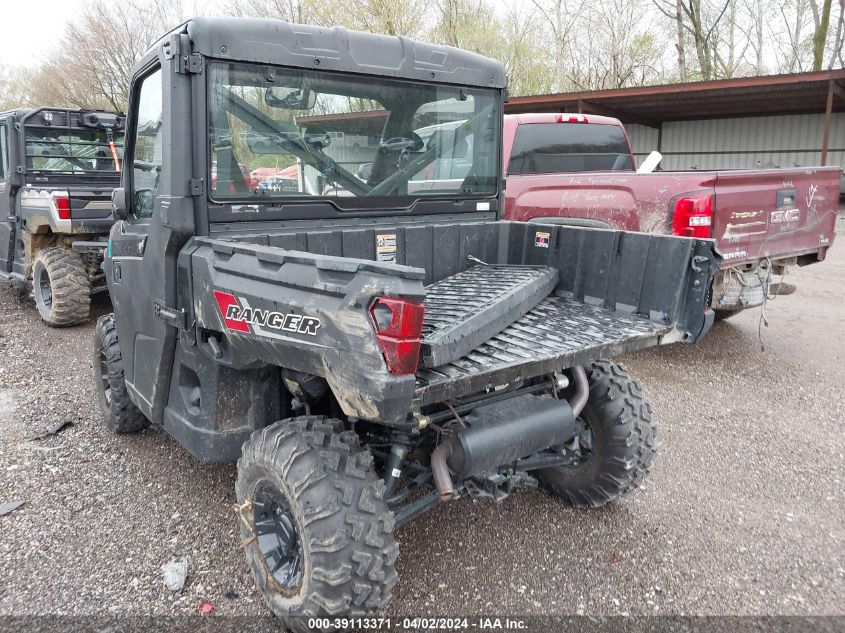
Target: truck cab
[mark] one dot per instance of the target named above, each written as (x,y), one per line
(58,170)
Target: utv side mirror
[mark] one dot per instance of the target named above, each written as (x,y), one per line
(118,202)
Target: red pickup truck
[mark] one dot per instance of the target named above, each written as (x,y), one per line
(579,169)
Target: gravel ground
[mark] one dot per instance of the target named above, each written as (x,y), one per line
(742,513)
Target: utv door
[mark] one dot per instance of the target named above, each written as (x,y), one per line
(141,263)
(7,219)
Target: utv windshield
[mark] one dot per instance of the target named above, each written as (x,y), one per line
(280,133)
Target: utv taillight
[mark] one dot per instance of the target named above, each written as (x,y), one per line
(692,215)
(62,206)
(398,324)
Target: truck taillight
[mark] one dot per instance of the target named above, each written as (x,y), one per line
(693,215)
(61,204)
(398,324)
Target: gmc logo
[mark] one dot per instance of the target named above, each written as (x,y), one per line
(784,216)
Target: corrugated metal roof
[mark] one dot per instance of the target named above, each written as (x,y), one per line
(747,96)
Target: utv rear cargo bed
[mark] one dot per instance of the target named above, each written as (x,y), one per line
(615,292)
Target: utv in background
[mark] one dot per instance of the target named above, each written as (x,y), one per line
(365,346)
(58,170)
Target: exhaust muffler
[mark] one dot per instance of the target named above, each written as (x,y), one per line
(506,431)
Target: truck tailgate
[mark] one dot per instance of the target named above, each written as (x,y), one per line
(775,213)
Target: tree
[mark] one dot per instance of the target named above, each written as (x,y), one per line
(522,51)
(700,22)
(560,18)
(840,35)
(469,24)
(388,17)
(753,18)
(821,19)
(296,11)
(680,45)
(91,65)
(13,87)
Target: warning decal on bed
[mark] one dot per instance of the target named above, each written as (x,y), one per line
(386,247)
(541,239)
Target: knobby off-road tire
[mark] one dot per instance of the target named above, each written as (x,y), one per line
(623,441)
(343,529)
(120,414)
(61,287)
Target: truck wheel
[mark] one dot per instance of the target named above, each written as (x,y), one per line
(615,445)
(317,532)
(60,286)
(120,414)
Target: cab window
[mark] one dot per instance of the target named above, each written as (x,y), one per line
(4,152)
(147,147)
(552,148)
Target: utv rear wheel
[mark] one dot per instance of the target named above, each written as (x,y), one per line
(317,532)
(120,414)
(61,287)
(615,444)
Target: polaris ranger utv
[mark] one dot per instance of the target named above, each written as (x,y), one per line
(366,343)
(59,168)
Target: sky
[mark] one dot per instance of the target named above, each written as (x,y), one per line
(36,28)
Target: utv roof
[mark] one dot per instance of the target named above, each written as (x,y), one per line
(337,49)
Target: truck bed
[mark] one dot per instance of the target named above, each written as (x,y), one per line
(557,333)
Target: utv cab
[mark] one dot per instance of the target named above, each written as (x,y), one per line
(309,276)
(58,170)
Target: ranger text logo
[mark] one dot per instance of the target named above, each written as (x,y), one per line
(240,317)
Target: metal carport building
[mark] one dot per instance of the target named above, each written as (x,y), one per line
(791,120)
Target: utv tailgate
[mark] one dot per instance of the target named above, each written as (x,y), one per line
(617,292)
(464,310)
(557,333)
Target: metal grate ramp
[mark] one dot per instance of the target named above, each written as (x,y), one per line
(464,310)
(556,334)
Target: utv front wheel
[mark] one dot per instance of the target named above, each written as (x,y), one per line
(120,414)
(615,445)
(61,287)
(317,532)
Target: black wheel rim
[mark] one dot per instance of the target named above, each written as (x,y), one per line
(43,288)
(105,385)
(277,536)
(581,446)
